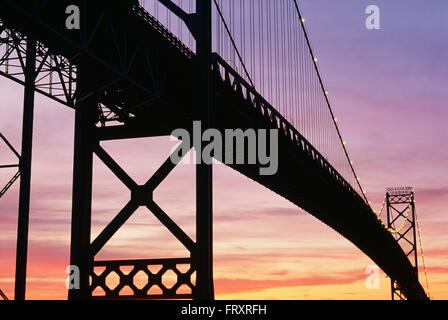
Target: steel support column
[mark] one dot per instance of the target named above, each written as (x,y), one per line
(85,118)
(392,281)
(203,257)
(25,169)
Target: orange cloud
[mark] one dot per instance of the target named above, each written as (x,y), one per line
(230,286)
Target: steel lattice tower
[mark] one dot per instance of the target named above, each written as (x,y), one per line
(401,222)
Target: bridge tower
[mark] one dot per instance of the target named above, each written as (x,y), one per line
(83,250)
(401,222)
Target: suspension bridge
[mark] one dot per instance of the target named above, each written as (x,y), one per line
(144,69)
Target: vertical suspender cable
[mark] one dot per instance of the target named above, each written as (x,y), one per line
(362,194)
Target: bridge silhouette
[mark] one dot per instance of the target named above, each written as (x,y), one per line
(128,74)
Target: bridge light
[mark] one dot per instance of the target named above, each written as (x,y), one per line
(315,59)
(326,93)
(336,119)
(352,163)
(303,20)
(344,143)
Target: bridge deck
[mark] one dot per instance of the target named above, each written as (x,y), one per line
(138,69)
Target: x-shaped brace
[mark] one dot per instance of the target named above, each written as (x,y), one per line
(17,175)
(141,195)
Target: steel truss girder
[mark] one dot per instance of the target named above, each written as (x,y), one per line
(55,74)
(120,60)
(230,78)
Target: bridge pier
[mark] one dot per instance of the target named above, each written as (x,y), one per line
(25,170)
(204,172)
(84,141)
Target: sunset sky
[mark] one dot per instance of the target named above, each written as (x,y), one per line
(388,89)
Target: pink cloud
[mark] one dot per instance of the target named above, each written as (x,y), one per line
(228,286)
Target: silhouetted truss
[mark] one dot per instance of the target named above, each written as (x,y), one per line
(56,75)
(17,175)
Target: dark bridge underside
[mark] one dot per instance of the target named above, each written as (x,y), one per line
(135,67)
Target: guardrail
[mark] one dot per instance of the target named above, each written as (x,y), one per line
(148,18)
